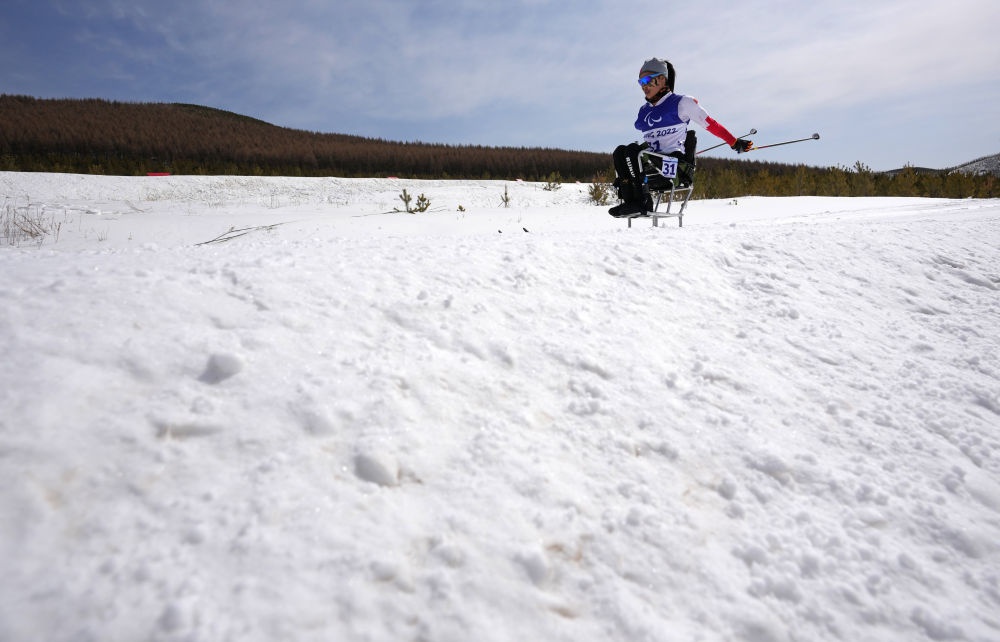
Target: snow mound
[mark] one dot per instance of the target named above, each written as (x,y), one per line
(778,422)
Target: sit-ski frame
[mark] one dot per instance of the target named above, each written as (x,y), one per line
(670,195)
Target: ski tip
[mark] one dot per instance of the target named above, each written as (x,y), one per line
(815,136)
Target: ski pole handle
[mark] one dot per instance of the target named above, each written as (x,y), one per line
(708,149)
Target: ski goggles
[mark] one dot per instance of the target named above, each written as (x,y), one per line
(645,80)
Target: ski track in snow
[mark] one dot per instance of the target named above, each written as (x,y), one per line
(779,422)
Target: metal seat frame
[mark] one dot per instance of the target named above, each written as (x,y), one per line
(667,190)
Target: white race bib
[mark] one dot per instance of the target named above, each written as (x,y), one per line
(669,169)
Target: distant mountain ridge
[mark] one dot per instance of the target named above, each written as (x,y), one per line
(987,165)
(984,165)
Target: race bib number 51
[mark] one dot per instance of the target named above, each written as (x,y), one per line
(669,169)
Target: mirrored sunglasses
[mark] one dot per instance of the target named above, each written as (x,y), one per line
(645,80)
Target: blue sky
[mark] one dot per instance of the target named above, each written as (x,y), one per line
(884,82)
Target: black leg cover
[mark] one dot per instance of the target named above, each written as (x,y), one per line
(630,179)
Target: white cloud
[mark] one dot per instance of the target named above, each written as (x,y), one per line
(564,75)
(860,53)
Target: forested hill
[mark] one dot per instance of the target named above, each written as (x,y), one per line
(99,136)
(93,136)
(984,165)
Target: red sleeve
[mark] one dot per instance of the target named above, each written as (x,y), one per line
(718,130)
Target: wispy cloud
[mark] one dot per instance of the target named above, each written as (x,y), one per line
(518,72)
(861,56)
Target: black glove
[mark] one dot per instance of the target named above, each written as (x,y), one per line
(742,145)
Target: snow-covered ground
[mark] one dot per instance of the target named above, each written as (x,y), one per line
(780,422)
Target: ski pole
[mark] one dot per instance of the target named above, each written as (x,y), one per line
(708,149)
(787,142)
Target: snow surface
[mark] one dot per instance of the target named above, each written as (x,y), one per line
(779,422)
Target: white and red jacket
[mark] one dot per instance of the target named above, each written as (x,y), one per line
(664,124)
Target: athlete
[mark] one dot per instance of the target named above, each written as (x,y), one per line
(663,121)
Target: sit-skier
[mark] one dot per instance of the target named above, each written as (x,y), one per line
(663,121)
